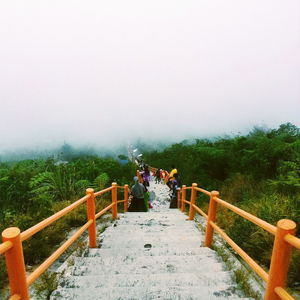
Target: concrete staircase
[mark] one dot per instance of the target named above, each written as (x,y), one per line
(155,255)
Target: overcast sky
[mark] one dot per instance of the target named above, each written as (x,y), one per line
(107,72)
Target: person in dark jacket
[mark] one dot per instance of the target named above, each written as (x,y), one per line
(157,176)
(137,197)
(175,184)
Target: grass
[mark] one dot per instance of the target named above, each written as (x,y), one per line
(243,276)
(45,285)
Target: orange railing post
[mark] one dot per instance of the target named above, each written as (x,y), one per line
(212,214)
(183,196)
(114,200)
(15,263)
(138,174)
(126,192)
(178,198)
(192,201)
(90,204)
(280,258)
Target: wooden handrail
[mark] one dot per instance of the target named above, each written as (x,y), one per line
(200,211)
(202,191)
(15,297)
(103,191)
(183,195)
(38,227)
(293,241)
(49,261)
(5,246)
(114,199)
(263,224)
(103,211)
(283,294)
(284,240)
(192,202)
(254,266)
(13,239)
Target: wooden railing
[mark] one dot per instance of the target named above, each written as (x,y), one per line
(284,234)
(13,239)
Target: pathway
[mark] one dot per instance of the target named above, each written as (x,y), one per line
(143,256)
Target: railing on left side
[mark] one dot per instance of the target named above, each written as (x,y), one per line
(13,238)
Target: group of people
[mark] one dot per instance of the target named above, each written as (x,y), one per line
(141,199)
(160,175)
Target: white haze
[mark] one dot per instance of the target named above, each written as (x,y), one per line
(107,72)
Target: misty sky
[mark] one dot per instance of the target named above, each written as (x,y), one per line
(107,72)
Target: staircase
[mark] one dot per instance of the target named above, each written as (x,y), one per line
(154,255)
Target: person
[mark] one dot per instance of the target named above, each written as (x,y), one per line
(175,184)
(157,176)
(146,176)
(151,199)
(146,199)
(178,180)
(174,171)
(137,197)
(162,175)
(171,176)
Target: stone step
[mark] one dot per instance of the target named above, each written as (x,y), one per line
(148,268)
(140,244)
(142,260)
(144,256)
(146,233)
(156,237)
(163,223)
(154,228)
(141,280)
(173,215)
(158,251)
(144,293)
(172,230)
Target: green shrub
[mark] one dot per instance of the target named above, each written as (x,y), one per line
(45,285)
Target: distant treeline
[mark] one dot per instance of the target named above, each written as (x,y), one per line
(258,172)
(272,155)
(69,151)
(64,152)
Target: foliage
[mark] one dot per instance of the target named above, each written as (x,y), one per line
(100,181)
(45,285)
(259,172)
(32,190)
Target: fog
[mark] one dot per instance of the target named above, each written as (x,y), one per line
(105,73)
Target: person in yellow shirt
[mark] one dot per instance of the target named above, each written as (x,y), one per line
(171,176)
(174,171)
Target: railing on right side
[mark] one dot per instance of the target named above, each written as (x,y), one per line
(284,241)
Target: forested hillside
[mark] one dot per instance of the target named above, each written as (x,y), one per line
(258,172)
(31,190)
